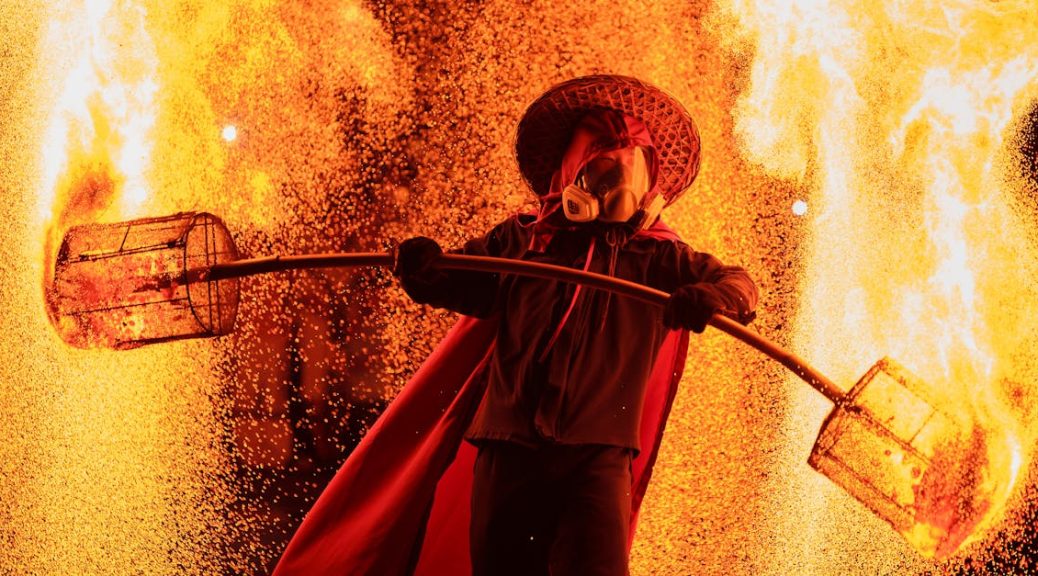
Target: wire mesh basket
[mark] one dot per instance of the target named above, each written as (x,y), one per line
(891,446)
(133,283)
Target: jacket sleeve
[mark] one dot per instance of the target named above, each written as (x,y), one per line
(731,283)
(468,292)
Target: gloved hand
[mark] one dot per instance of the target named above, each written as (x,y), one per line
(691,306)
(412,264)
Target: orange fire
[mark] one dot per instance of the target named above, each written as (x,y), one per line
(897,116)
(98,145)
(113,443)
(950,502)
(135,473)
(893,115)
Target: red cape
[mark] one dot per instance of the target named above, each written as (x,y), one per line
(403,494)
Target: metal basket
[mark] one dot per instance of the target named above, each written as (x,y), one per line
(133,283)
(904,456)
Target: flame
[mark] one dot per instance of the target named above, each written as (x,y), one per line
(112,444)
(897,115)
(97,147)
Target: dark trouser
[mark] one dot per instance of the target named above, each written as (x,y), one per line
(567,507)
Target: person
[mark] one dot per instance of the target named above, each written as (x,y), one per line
(566,394)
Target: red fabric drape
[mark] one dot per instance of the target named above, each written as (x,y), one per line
(375,512)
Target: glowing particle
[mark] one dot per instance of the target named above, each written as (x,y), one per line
(800,208)
(229,133)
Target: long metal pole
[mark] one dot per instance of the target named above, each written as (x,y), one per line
(264,265)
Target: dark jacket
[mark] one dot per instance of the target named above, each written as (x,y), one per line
(590,385)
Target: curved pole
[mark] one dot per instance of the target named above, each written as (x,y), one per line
(264,265)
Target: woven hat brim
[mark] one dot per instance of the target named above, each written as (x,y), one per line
(545,130)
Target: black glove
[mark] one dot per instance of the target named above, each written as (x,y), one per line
(412,264)
(691,306)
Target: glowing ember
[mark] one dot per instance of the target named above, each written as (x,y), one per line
(950,499)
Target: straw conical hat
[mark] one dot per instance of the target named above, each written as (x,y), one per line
(546,128)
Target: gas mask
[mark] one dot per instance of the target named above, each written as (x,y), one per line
(612,187)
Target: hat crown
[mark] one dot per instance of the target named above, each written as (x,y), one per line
(545,129)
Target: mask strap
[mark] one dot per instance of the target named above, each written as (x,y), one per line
(652,210)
